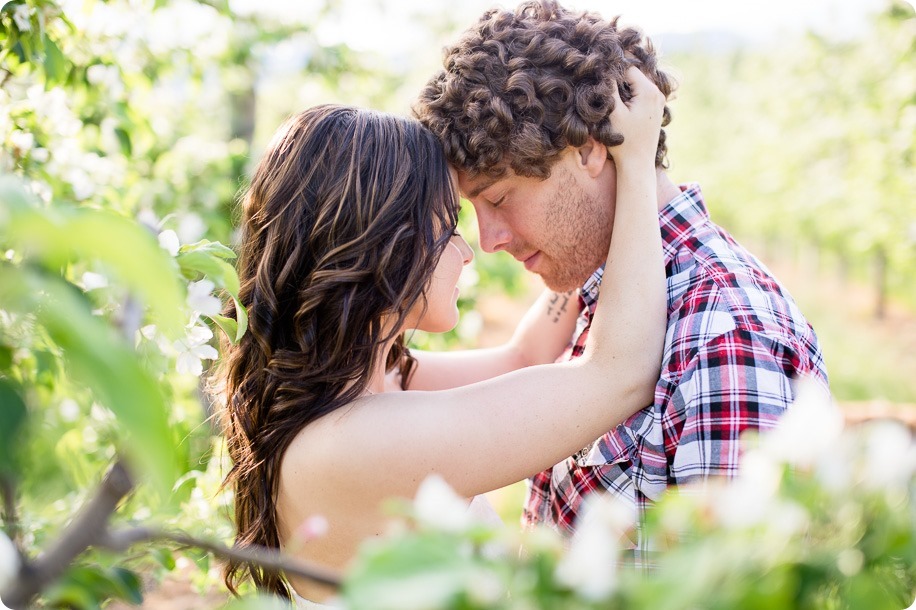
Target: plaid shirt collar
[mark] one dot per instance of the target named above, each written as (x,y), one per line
(678,220)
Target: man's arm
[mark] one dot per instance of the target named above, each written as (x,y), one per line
(540,337)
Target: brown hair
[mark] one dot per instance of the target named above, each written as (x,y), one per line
(519,87)
(343,223)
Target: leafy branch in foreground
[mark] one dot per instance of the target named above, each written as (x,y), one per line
(92,527)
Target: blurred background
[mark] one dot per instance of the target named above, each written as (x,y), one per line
(797,118)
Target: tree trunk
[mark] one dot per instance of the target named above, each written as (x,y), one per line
(880,284)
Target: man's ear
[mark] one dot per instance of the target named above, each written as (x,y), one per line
(592,157)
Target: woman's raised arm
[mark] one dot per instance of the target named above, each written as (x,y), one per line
(540,337)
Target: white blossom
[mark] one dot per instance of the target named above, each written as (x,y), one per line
(312,528)
(470,325)
(168,239)
(108,77)
(194,348)
(191,228)
(485,588)
(93,281)
(201,299)
(590,565)
(52,108)
(9,561)
(438,505)
(40,188)
(82,185)
(21,17)
(751,496)
(889,456)
(809,430)
(22,140)
(90,436)
(850,562)
(183,24)
(69,410)
(151,333)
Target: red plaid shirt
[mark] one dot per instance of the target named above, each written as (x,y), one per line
(735,342)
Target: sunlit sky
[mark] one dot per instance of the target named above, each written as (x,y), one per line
(397,27)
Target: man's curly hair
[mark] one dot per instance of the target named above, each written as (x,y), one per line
(521,86)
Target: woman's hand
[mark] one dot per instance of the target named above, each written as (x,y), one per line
(639,120)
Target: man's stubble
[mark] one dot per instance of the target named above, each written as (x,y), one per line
(579,226)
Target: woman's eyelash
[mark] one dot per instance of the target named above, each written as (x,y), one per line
(499,201)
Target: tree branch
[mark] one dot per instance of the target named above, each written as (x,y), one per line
(89,526)
(10,516)
(264,557)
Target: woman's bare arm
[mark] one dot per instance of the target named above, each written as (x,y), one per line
(540,337)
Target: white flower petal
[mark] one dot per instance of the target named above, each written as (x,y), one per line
(205,352)
(890,455)
(200,299)
(9,561)
(168,240)
(809,429)
(438,505)
(21,17)
(93,281)
(22,140)
(188,363)
(590,565)
(198,335)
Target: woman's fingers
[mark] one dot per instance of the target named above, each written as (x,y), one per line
(639,83)
(639,119)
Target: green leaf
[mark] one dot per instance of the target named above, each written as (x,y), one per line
(6,357)
(20,51)
(55,64)
(241,314)
(165,558)
(70,452)
(97,357)
(211,247)
(228,326)
(57,236)
(234,329)
(213,267)
(88,586)
(13,416)
(127,585)
(124,139)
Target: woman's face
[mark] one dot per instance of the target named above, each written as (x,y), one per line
(441,313)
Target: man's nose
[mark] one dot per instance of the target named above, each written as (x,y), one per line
(494,235)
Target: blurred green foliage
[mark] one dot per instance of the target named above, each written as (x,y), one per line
(810,141)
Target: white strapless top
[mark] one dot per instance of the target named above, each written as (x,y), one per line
(301,602)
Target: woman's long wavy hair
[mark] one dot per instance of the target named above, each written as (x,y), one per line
(343,223)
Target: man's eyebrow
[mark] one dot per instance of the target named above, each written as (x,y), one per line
(482,187)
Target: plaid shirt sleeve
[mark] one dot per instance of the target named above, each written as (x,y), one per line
(737,381)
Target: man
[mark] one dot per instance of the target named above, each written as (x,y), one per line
(522,108)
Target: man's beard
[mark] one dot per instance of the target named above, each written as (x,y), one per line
(580,237)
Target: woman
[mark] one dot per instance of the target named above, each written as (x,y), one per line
(348,242)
